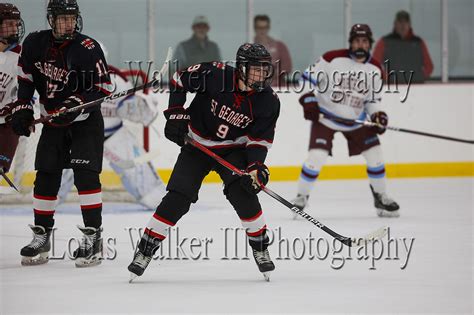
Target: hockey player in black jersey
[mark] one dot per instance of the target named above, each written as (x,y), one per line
(67,69)
(233,113)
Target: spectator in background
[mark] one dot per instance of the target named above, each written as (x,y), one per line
(281,58)
(404,51)
(198,48)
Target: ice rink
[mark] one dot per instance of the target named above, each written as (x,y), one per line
(433,272)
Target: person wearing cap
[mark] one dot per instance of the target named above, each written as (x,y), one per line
(198,48)
(280,54)
(404,55)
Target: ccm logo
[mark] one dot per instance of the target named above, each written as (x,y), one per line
(79,161)
(179,116)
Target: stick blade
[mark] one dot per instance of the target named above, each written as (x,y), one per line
(375,235)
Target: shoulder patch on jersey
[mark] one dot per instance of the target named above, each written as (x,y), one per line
(16,49)
(374,62)
(88,43)
(218,65)
(333,54)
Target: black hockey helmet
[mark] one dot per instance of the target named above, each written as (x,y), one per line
(9,11)
(64,7)
(254,55)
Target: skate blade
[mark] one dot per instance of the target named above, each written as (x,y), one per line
(266,275)
(132,277)
(387,214)
(39,259)
(88,262)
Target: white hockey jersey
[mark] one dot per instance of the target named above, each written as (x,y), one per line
(8,77)
(343,87)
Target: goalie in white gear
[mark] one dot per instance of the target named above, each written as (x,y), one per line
(141,180)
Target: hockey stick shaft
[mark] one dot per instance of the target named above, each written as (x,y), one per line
(421,133)
(343,239)
(114,96)
(9,182)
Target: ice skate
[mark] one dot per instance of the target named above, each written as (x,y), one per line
(143,256)
(385,206)
(300,202)
(264,262)
(37,252)
(89,252)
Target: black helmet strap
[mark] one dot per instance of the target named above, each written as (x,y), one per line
(257,85)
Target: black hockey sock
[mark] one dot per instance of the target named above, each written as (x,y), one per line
(90,196)
(45,192)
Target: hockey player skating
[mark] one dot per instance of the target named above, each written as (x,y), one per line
(11,31)
(335,87)
(67,69)
(141,180)
(234,114)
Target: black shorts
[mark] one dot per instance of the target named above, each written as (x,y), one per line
(358,140)
(193,165)
(77,146)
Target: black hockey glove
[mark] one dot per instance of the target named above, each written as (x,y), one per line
(176,127)
(310,106)
(6,111)
(66,118)
(22,119)
(380,118)
(258,175)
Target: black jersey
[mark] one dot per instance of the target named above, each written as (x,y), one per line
(222,116)
(60,70)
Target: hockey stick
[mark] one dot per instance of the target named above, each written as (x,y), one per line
(141,159)
(351,242)
(144,86)
(9,182)
(372,124)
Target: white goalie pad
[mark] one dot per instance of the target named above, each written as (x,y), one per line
(141,181)
(139,108)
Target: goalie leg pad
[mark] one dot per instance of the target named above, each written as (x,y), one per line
(141,181)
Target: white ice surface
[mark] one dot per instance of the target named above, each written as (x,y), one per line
(437,213)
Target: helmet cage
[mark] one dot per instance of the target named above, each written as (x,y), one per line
(57,8)
(11,12)
(253,81)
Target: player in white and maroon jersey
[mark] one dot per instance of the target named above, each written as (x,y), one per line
(346,84)
(12,30)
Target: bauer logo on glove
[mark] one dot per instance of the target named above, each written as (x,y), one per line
(257,176)
(176,124)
